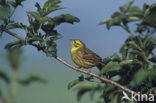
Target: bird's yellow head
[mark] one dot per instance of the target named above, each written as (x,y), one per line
(76,44)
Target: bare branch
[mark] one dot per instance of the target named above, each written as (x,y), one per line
(2,28)
(80,70)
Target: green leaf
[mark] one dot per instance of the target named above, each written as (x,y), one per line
(51,50)
(82,89)
(115,57)
(116,78)
(150,10)
(139,41)
(145,7)
(153,89)
(135,12)
(16,25)
(35,38)
(13,4)
(35,15)
(134,45)
(67,18)
(133,18)
(111,66)
(126,62)
(142,76)
(50,6)
(13,55)
(31,79)
(4,76)
(104,21)
(153,60)
(3,12)
(19,2)
(135,52)
(14,43)
(106,60)
(115,98)
(110,22)
(126,7)
(150,15)
(75,82)
(135,9)
(40,11)
(116,14)
(47,19)
(124,51)
(3,3)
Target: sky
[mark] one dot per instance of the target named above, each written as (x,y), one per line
(96,37)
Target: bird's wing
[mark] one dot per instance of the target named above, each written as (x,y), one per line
(90,56)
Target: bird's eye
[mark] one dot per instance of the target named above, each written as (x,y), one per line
(74,42)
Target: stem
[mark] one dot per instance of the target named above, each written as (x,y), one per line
(39,29)
(11,14)
(38,33)
(85,72)
(14,85)
(127,29)
(44,42)
(2,28)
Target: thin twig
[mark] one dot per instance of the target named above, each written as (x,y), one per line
(13,88)
(82,71)
(2,28)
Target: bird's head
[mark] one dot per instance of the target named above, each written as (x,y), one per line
(77,44)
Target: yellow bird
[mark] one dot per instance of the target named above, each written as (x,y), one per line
(84,57)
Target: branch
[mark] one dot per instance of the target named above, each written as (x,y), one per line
(2,28)
(97,76)
(80,70)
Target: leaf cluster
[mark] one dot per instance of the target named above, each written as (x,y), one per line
(40,32)
(129,13)
(135,66)
(14,58)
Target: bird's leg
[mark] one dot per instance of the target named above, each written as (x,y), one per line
(78,68)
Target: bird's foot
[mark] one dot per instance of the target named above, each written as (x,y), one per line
(78,68)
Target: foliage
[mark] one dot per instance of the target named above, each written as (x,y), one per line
(32,78)
(14,58)
(136,67)
(40,32)
(4,76)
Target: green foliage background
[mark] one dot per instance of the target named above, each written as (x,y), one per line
(136,67)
